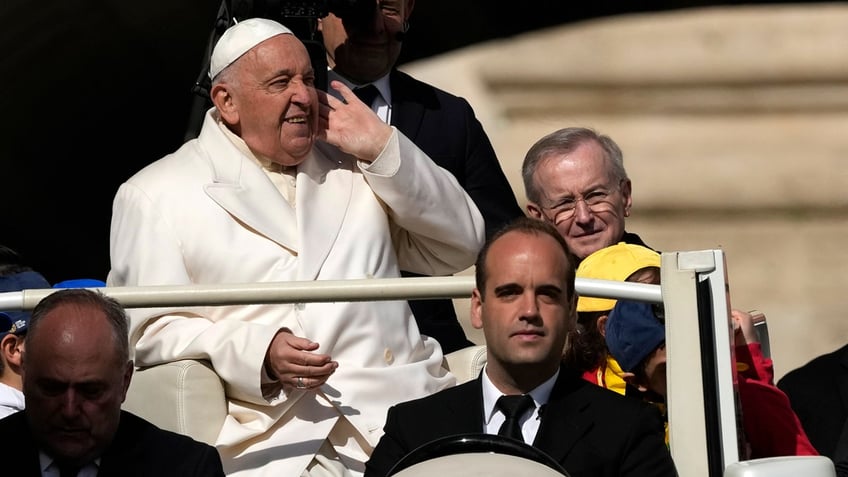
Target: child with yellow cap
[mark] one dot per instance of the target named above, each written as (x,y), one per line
(588,350)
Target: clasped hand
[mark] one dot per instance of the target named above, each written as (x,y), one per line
(291,360)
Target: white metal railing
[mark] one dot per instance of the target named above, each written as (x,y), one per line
(318,291)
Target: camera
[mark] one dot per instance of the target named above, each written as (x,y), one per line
(301,15)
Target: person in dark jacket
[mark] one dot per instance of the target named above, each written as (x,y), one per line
(524,301)
(76,371)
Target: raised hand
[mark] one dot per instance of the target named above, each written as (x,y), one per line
(351,125)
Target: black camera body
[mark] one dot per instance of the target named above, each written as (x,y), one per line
(301,17)
(300,14)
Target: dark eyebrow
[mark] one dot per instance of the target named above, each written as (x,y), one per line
(549,289)
(506,287)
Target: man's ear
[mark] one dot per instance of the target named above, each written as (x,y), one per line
(533,210)
(627,196)
(129,368)
(11,347)
(224,103)
(476,309)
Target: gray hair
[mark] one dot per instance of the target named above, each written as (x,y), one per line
(565,141)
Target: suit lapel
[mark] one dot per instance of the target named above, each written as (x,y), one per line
(324,193)
(465,411)
(407,112)
(22,457)
(564,418)
(241,188)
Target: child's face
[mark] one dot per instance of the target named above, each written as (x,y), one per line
(655,375)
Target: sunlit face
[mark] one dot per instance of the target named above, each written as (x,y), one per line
(270,100)
(525,311)
(647,275)
(74,383)
(582,181)
(364,51)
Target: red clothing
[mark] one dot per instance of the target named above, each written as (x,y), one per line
(608,375)
(770,424)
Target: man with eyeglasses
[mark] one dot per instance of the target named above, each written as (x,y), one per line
(574,178)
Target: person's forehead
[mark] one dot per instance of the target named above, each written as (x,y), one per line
(649,275)
(283,49)
(535,248)
(588,159)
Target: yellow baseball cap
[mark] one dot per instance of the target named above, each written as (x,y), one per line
(616,262)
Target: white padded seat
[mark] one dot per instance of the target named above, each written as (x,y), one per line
(183,396)
(188,397)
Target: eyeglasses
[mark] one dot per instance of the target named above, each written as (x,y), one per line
(596,200)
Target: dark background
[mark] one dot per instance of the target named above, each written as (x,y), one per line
(93,90)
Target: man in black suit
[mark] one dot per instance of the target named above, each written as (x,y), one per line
(364,51)
(818,393)
(524,301)
(76,371)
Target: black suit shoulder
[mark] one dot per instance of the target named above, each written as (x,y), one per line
(25,463)
(592,431)
(151,450)
(815,370)
(411,424)
(140,449)
(431,97)
(818,393)
(445,127)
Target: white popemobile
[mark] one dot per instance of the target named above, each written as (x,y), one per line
(704,434)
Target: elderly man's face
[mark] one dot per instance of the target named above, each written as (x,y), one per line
(272,102)
(74,382)
(582,199)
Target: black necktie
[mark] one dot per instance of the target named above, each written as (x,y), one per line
(66,470)
(366,94)
(513,407)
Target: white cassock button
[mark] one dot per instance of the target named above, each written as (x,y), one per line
(390,357)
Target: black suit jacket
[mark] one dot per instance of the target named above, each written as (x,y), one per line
(139,449)
(589,430)
(818,393)
(445,127)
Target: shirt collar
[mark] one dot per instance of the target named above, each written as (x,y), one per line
(382,85)
(242,146)
(540,394)
(46,463)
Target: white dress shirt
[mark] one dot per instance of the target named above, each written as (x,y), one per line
(493,418)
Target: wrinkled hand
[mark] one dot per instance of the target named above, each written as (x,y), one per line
(291,360)
(351,125)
